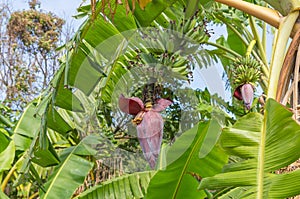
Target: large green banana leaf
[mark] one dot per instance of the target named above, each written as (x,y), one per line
(127,186)
(27,133)
(194,152)
(26,128)
(7,155)
(72,170)
(30,123)
(96,31)
(264,145)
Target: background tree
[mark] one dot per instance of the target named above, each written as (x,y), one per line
(28,56)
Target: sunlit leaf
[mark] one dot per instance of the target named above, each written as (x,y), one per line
(72,170)
(7,157)
(191,154)
(281,148)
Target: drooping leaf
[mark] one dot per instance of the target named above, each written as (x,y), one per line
(81,74)
(45,157)
(56,122)
(97,33)
(66,99)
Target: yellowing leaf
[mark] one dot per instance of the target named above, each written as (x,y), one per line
(143,3)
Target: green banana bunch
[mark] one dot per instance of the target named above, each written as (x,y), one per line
(245,70)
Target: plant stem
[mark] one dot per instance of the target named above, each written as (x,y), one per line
(278,53)
(257,38)
(287,68)
(266,14)
(34,195)
(296,81)
(284,31)
(261,159)
(250,47)
(245,41)
(10,173)
(264,36)
(235,54)
(262,51)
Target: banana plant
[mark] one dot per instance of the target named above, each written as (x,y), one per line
(258,145)
(262,150)
(255,139)
(255,145)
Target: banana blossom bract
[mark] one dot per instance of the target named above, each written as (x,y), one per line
(149,124)
(245,92)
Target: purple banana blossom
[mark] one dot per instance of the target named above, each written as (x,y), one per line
(149,124)
(245,92)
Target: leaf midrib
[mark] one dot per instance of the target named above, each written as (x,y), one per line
(188,161)
(59,171)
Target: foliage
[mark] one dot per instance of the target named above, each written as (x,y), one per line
(232,152)
(244,141)
(71,163)
(127,186)
(182,168)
